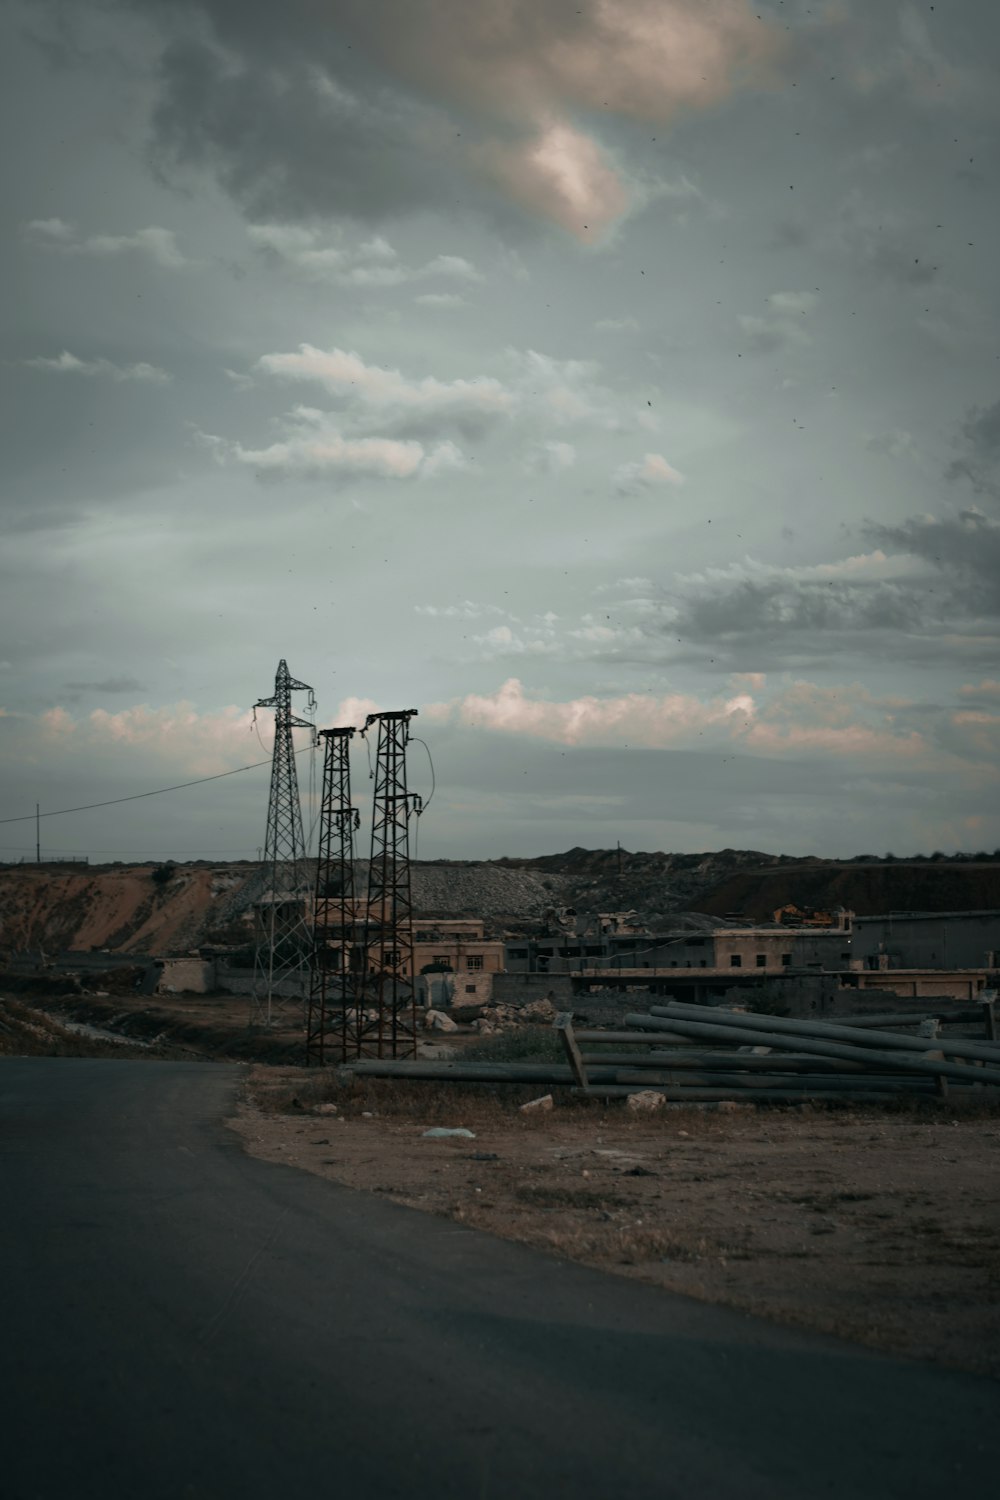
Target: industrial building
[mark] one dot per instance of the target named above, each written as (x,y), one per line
(928,940)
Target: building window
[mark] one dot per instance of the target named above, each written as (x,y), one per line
(735,961)
(762,960)
(474,961)
(703,963)
(845,958)
(786,959)
(442,958)
(470,989)
(392,958)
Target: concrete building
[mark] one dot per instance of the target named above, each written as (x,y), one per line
(764,949)
(453,960)
(928,940)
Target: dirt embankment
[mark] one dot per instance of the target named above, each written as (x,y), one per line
(124,908)
(142,910)
(876,1225)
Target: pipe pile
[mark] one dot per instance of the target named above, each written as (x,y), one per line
(699,1054)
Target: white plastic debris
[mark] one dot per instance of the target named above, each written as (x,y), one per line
(439,1133)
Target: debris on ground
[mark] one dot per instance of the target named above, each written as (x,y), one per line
(501,1017)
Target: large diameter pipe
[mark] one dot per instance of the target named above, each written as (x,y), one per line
(749,1096)
(904,1062)
(750,1062)
(680,1009)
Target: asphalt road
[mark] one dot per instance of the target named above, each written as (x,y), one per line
(178,1320)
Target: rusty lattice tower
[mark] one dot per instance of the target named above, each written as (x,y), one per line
(389,1011)
(283,934)
(333,1015)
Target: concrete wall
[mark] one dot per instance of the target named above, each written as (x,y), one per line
(521,989)
(461,987)
(944,940)
(193,975)
(241,982)
(779,948)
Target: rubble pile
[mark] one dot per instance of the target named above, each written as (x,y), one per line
(484,890)
(496,1018)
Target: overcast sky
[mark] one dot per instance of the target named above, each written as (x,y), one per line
(617,382)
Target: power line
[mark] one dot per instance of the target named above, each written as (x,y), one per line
(138,796)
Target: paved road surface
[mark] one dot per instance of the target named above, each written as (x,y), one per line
(179,1320)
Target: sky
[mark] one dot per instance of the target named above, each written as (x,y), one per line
(615,382)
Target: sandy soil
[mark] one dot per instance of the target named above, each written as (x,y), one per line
(878,1226)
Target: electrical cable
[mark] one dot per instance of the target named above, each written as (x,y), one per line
(430,762)
(430,799)
(138,796)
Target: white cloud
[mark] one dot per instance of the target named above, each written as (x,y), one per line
(632,718)
(345,373)
(653,471)
(160,245)
(617,325)
(313,447)
(782,324)
(503,641)
(550,458)
(371,263)
(440,299)
(68,364)
(466,609)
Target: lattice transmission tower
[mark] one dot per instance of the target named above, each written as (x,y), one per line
(389,1013)
(283,931)
(336,977)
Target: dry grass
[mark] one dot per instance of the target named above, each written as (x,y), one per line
(26,1032)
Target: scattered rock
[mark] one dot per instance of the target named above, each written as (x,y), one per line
(645,1102)
(466,1013)
(637,1172)
(325,1109)
(732,1107)
(483,1156)
(500,1017)
(436,1020)
(440,1133)
(537,1106)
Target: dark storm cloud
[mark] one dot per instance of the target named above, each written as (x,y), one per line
(979,460)
(283,144)
(965,549)
(931,591)
(372,110)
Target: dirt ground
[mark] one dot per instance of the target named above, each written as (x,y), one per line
(877,1225)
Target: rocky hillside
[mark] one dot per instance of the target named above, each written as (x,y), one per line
(593,880)
(163,910)
(865,889)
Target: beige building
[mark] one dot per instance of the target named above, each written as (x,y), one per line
(453,961)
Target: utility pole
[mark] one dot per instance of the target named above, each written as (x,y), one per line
(392,1032)
(282,928)
(336,974)
(38,836)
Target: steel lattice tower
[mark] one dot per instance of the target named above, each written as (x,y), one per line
(283,935)
(333,1016)
(392,1030)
